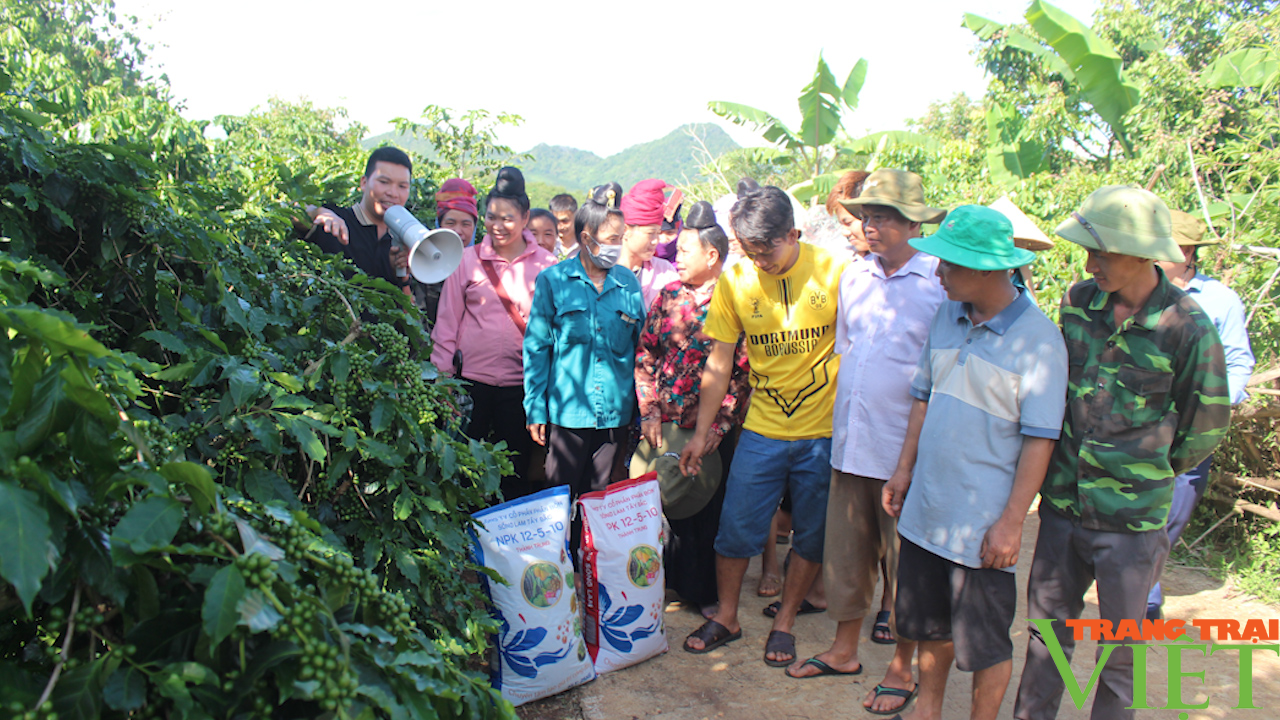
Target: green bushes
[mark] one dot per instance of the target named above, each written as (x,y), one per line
(230,483)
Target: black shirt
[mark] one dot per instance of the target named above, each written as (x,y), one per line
(369,252)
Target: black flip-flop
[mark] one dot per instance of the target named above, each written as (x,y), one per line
(806,608)
(823,670)
(780,642)
(906,696)
(882,626)
(713,635)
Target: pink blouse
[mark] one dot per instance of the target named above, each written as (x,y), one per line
(473,319)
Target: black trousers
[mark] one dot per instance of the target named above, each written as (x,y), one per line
(499,415)
(585,459)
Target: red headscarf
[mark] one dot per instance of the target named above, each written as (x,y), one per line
(456,194)
(645,203)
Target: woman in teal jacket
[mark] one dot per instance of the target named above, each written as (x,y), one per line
(580,352)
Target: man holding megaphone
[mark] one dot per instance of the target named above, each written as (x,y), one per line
(360,232)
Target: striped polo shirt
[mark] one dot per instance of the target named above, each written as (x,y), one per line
(988,386)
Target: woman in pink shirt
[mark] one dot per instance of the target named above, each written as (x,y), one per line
(642,209)
(479,332)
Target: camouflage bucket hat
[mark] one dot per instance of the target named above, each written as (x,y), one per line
(898,189)
(1123,219)
(975,237)
(1189,230)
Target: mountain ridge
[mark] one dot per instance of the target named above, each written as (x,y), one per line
(669,157)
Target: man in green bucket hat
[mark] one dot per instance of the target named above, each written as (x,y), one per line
(1147,400)
(989,396)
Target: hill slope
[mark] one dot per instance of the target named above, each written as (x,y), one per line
(669,158)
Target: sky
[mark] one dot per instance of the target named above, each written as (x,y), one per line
(598,76)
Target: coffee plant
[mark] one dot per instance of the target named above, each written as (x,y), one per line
(231,485)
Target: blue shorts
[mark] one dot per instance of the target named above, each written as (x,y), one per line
(762,470)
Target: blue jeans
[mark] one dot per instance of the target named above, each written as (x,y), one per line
(762,469)
(1188,488)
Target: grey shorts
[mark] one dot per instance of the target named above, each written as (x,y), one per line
(939,600)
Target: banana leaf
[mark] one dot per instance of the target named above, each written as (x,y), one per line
(1096,64)
(1010,156)
(746,116)
(820,107)
(1250,67)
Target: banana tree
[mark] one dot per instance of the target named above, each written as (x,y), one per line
(822,103)
(1072,50)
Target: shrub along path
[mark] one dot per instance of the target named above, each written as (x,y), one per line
(734,683)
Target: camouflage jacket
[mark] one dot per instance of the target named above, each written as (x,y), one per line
(1145,402)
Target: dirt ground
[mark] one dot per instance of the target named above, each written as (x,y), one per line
(733,682)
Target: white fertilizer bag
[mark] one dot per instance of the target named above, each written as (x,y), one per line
(622,573)
(540,644)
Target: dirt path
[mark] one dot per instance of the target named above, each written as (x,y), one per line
(734,683)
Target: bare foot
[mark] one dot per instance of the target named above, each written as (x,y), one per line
(770,585)
(710,611)
(695,643)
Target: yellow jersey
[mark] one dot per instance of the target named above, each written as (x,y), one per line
(790,326)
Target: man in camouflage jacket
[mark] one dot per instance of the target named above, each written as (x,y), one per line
(1147,399)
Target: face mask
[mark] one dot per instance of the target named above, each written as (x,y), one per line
(607,258)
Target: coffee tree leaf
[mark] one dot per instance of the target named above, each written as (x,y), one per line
(220,612)
(24,541)
(148,525)
(198,481)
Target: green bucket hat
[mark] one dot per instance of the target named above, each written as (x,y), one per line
(1123,219)
(975,237)
(1189,230)
(898,189)
(682,496)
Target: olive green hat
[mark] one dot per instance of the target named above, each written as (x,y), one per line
(1123,219)
(682,496)
(1189,230)
(900,190)
(975,237)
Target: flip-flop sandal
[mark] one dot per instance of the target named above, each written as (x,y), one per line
(823,670)
(906,696)
(713,635)
(780,642)
(881,633)
(806,608)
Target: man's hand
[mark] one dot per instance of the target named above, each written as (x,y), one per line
(538,431)
(691,456)
(713,443)
(895,492)
(651,430)
(399,257)
(329,222)
(1001,544)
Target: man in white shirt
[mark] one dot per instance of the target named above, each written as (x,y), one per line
(886,305)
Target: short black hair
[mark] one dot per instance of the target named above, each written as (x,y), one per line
(564,202)
(542,213)
(604,201)
(763,216)
(387,154)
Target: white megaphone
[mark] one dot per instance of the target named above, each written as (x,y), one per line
(433,254)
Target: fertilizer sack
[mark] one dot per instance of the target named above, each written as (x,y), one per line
(540,645)
(622,574)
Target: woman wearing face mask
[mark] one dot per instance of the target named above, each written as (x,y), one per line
(484,307)
(580,352)
(673,352)
(642,209)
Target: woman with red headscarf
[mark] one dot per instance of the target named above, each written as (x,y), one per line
(642,209)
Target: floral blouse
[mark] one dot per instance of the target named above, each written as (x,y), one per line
(673,351)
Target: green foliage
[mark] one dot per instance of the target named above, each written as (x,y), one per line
(822,104)
(230,483)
